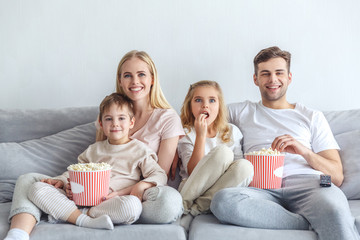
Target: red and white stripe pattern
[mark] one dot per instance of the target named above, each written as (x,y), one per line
(264,170)
(95,183)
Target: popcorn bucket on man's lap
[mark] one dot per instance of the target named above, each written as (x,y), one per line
(268,170)
(89,187)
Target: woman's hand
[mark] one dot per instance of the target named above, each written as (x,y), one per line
(139,189)
(174,165)
(122,192)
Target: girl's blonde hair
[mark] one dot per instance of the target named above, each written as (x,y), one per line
(220,123)
(157,98)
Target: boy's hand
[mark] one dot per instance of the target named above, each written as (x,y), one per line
(68,191)
(139,189)
(54,182)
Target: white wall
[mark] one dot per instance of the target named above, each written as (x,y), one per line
(65,53)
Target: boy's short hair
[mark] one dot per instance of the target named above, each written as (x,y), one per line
(271,52)
(120,100)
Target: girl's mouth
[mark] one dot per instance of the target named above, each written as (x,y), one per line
(206,114)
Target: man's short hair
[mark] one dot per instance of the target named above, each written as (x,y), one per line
(271,52)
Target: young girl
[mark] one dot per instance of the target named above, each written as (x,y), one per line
(210,153)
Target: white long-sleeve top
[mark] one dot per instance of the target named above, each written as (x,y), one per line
(186,146)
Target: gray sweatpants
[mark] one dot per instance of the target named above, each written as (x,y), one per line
(20,201)
(160,204)
(300,202)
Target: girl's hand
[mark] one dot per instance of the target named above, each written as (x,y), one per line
(54,182)
(139,189)
(200,125)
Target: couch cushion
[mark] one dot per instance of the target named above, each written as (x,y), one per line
(21,125)
(343,121)
(350,156)
(355,211)
(208,227)
(45,230)
(48,155)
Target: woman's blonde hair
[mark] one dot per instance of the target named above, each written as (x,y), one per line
(157,98)
(220,123)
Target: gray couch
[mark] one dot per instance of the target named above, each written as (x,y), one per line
(47,141)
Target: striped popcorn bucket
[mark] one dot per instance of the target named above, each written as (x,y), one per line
(89,187)
(268,170)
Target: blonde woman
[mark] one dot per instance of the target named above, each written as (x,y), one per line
(157,125)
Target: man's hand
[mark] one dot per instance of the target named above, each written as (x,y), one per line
(327,161)
(286,143)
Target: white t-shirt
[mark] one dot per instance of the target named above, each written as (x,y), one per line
(261,125)
(186,146)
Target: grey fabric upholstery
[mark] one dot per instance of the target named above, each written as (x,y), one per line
(46,141)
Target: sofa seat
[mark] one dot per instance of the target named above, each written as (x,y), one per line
(61,231)
(209,228)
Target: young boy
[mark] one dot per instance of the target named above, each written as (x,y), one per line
(130,159)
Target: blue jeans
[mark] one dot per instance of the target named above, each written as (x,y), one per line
(300,202)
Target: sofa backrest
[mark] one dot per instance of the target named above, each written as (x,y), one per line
(47,141)
(21,125)
(42,141)
(346,129)
(343,121)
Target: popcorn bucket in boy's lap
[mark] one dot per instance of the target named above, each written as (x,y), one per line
(268,170)
(89,186)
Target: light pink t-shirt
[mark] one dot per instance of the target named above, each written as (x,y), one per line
(162,124)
